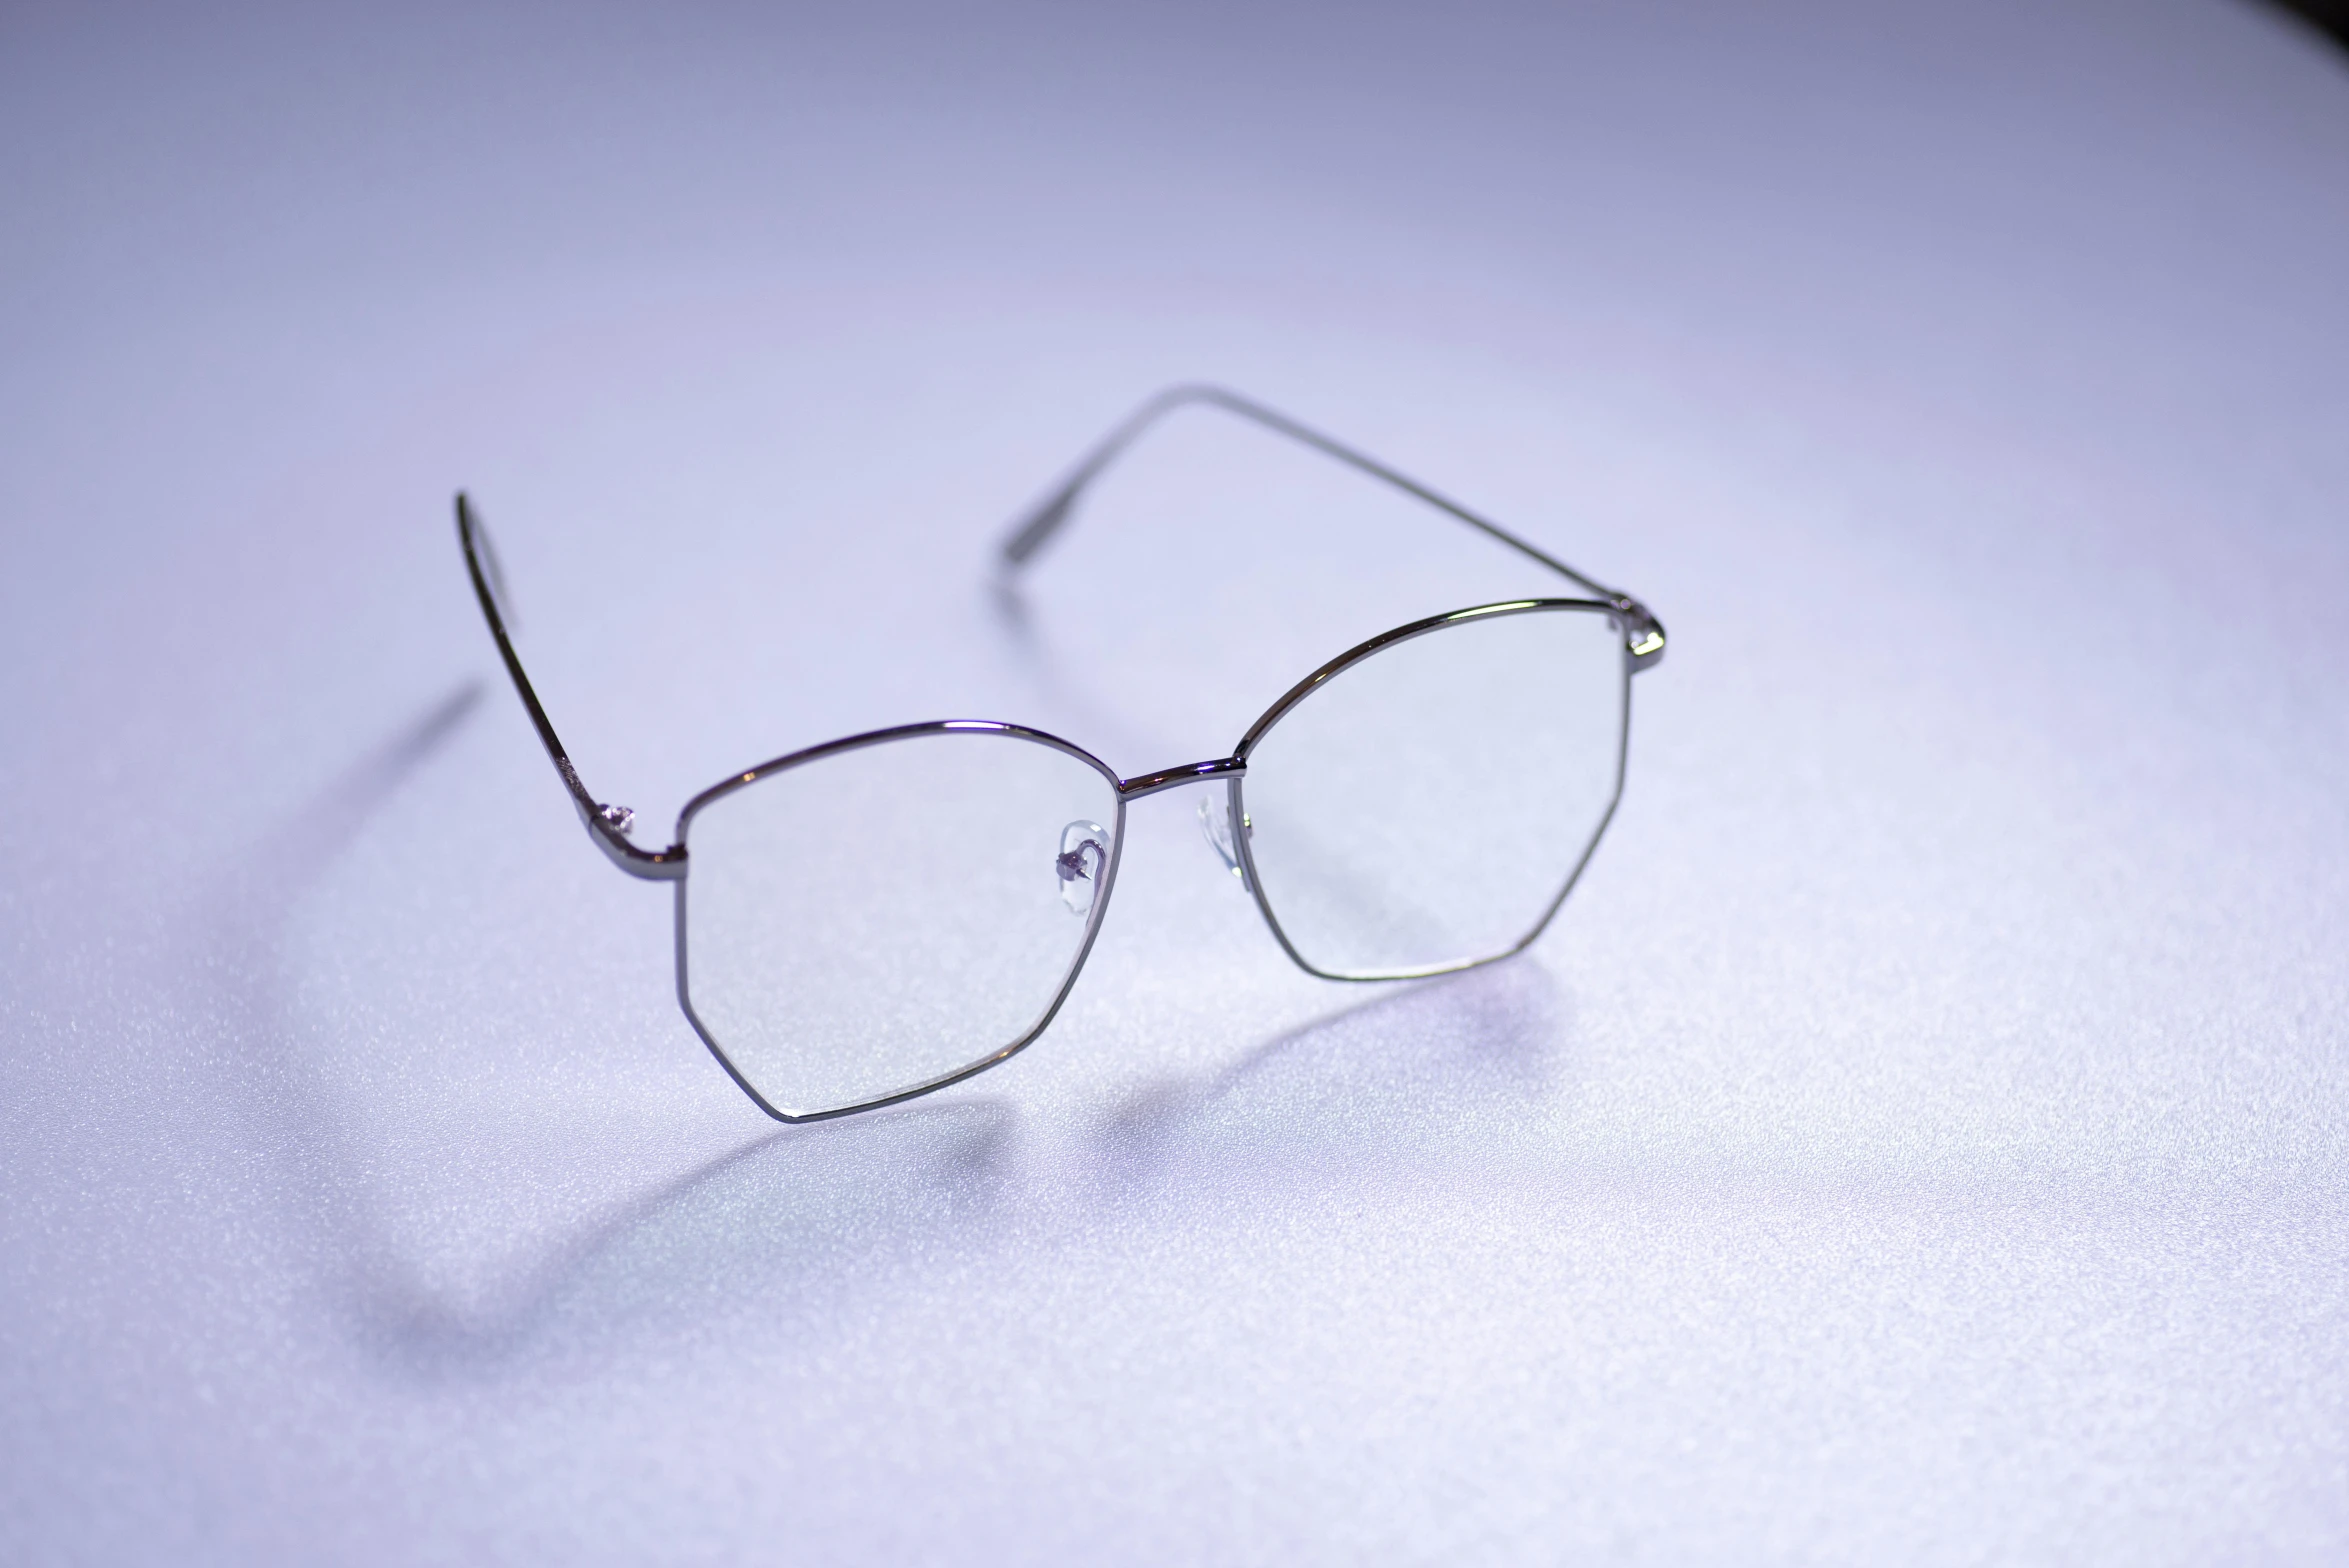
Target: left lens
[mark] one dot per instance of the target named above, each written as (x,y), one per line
(882,915)
(1427,806)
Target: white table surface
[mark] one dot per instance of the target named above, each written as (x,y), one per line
(1921,1139)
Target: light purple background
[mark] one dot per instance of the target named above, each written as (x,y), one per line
(1921,1139)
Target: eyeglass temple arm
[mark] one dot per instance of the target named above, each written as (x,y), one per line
(606,825)
(1643,633)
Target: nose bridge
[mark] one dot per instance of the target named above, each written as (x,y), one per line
(1173,778)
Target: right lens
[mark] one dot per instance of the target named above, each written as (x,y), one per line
(878,917)
(1427,806)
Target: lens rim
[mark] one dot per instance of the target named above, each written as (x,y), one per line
(790,760)
(1305,688)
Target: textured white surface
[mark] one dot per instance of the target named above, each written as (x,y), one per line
(1921,1138)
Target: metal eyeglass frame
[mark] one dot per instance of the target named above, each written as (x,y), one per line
(609,826)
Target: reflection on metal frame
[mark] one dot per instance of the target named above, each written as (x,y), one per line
(609,825)
(1175,778)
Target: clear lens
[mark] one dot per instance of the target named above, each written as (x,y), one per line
(1427,807)
(878,918)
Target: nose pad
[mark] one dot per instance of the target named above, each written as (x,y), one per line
(1083,858)
(1215,825)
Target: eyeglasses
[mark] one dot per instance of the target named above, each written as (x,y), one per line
(881,916)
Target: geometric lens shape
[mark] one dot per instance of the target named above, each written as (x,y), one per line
(1428,806)
(873,919)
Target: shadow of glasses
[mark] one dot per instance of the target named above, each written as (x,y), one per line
(786,1196)
(1411,1064)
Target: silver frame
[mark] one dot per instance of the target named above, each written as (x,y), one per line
(609,826)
